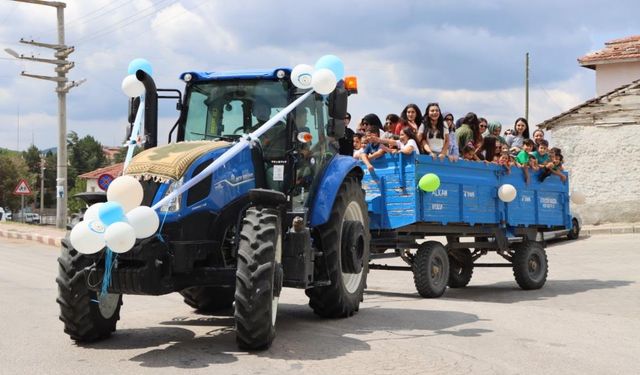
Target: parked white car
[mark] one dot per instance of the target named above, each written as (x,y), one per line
(32,218)
(2,214)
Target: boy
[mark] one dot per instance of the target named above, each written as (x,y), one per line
(358,145)
(372,150)
(554,166)
(541,157)
(523,160)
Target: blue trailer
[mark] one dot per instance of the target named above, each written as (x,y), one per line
(465,205)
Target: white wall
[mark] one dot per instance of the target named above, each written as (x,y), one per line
(92,185)
(604,164)
(611,76)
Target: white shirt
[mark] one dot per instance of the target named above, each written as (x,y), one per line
(435,144)
(410,142)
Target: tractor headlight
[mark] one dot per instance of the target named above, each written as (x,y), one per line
(174,204)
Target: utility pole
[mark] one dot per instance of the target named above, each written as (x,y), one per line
(42,168)
(526,87)
(62,51)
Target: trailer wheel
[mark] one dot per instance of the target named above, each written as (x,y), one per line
(574,233)
(344,241)
(431,269)
(84,319)
(209,298)
(530,266)
(460,268)
(258,278)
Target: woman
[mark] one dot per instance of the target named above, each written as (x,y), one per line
(495,128)
(412,115)
(391,124)
(520,133)
(454,152)
(433,136)
(408,142)
(469,132)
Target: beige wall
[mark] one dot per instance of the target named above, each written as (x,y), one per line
(611,76)
(92,185)
(604,164)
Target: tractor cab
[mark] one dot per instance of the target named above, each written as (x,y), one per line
(290,155)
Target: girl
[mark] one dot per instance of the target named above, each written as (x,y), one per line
(412,115)
(408,142)
(393,121)
(469,132)
(487,151)
(433,136)
(538,135)
(454,152)
(520,133)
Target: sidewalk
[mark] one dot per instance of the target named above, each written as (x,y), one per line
(46,234)
(50,235)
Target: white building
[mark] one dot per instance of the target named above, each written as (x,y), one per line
(598,137)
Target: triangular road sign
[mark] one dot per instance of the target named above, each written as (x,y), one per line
(22,188)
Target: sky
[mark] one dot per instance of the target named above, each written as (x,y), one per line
(465,55)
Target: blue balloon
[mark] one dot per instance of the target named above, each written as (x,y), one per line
(111,212)
(332,63)
(140,64)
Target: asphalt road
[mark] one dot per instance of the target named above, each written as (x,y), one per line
(586,320)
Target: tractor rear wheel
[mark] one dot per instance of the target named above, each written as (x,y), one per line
(431,269)
(86,316)
(344,242)
(258,278)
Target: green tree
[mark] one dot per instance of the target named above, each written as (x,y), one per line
(32,158)
(12,169)
(76,204)
(85,155)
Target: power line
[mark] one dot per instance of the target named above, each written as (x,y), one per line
(123,22)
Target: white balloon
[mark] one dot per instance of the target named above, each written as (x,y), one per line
(132,87)
(578,197)
(301,76)
(92,212)
(87,237)
(507,193)
(144,220)
(127,191)
(323,81)
(120,237)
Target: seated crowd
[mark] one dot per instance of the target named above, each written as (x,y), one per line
(469,138)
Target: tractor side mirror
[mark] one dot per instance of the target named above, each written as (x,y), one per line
(338,102)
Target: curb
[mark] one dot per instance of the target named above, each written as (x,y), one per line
(612,230)
(43,239)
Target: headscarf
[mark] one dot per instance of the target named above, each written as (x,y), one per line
(492,126)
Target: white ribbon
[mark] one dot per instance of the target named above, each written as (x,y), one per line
(243,143)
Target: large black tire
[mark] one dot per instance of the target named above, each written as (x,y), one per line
(344,241)
(574,233)
(258,279)
(431,269)
(530,266)
(460,268)
(209,299)
(84,319)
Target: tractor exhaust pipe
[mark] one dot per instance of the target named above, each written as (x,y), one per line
(150,109)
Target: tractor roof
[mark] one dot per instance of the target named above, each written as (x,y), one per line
(236,74)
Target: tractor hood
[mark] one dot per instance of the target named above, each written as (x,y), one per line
(170,162)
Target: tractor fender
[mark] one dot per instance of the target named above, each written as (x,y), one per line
(334,174)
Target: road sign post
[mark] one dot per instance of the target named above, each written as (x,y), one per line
(22,189)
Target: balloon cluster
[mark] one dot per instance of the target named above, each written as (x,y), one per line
(131,86)
(115,223)
(322,78)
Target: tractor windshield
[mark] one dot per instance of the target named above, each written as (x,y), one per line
(229,108)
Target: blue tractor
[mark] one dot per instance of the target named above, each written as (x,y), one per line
(287,211)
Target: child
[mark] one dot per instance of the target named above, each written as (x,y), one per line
(469,153)
(541,156)
(358,146)
(505,161)
(372,150)
(523,160)
(554,166)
